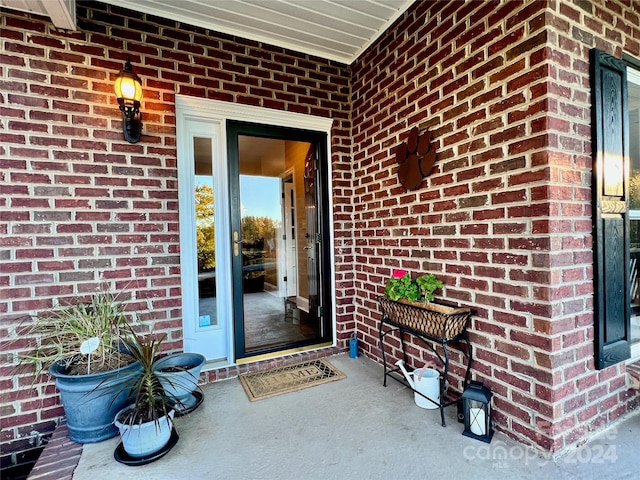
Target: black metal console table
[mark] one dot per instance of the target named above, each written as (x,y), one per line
(432,324)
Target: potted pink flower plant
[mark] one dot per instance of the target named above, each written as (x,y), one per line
(402,286)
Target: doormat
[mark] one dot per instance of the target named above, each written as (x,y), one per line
(276,381)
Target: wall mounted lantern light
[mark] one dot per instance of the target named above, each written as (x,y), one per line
(128,88)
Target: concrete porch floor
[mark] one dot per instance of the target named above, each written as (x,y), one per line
(352,428)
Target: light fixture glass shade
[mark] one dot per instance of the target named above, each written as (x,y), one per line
(128,86)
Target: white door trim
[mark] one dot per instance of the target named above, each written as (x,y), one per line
(218,112)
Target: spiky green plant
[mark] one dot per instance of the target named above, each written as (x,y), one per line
(61,331)
(151,401)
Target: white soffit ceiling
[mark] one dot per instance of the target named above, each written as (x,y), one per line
(61,12)
(338,30)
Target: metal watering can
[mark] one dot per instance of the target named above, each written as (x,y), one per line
(425,381)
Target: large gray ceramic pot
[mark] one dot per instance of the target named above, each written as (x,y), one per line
(179,375)
(91,401)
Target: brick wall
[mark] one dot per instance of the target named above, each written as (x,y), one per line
(80,208)
(505,216)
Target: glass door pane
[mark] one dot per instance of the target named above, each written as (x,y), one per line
(275,245)
(205,232)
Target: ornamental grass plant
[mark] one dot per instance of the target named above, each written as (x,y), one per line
(61,331)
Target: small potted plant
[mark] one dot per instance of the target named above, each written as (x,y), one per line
(146,426)
(409,302)
(78,345)
(402,286)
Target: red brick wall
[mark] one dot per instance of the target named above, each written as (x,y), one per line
(505,216)
(80,207)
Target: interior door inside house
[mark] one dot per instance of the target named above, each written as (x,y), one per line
(289,261)
(275,246)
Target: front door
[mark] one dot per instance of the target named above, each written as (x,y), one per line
(278,244)
(254,230)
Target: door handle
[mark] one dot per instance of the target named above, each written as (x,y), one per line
(236,242)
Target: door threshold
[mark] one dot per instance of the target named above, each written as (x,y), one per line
(282,353)
(215,364)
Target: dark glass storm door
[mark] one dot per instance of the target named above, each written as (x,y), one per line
(279,243)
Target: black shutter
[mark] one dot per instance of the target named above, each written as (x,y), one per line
(610,144)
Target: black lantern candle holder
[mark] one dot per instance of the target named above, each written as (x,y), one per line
(476,408)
